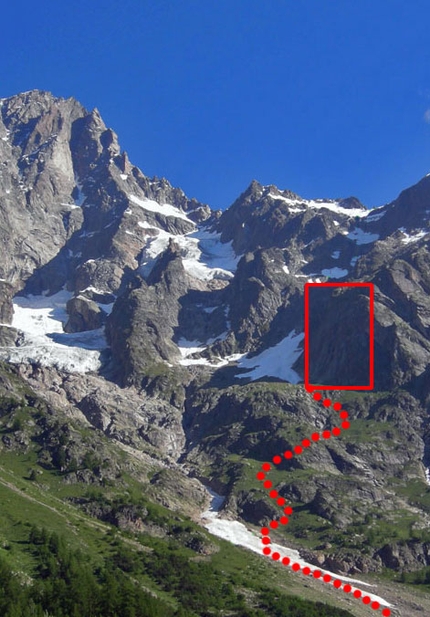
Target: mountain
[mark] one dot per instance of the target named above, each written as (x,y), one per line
(177,332)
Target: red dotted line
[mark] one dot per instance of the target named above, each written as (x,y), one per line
(288,510)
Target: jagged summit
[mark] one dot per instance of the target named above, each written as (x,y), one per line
(95,224)
(36,95)
(256,190)
(64,164)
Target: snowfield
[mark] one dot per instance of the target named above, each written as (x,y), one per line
(188,348)
(414,237)
(275,361)
(203,254)
(41,319)
(238,534)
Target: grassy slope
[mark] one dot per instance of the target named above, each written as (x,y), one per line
(48,500)
(238,472)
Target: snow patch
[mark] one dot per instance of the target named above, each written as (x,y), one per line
(333,206)
(329,204)
(210,309)
(287,199)
(189,348)
(359,236)
(375,217)
(80,198)
(71,206)
(107,308)
(335,254)
(165,209)
(196,362)
(41,319)
(334,273)
(203,254)
(275,361)
(286,269)
(95,290)
(414,237)
(123,176)
(205,362)
(216,256)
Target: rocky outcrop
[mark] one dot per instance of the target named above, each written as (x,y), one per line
(84,315)
(140,329)
(152,427)
(6,306)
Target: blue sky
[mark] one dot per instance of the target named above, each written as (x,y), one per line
(325,97)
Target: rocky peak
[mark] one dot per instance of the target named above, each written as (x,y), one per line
(35,118)
(169,271)
(272,191)
(417,196)
(95,145)
(64,169)
(266,217)
(409,213)
(351,203)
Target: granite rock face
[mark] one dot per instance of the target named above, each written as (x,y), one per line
(65,208)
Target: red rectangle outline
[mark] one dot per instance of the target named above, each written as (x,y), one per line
(310,387)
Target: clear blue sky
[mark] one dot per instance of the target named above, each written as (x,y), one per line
(325,97)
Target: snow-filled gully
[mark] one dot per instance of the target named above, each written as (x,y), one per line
(238,534)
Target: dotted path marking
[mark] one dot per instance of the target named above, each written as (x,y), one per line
(288,511)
